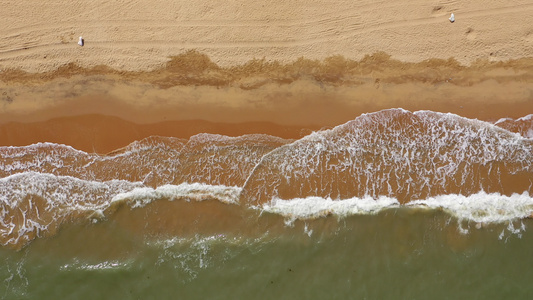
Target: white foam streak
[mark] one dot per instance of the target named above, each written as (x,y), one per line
(481,207)
(103,266)
(140,197)
(501,120)
(529,133)
(64,192)
(526,118)
(33,204)
(315,207)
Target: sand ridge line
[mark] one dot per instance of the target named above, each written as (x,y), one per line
(196,68)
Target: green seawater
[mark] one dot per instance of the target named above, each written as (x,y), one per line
(397,254)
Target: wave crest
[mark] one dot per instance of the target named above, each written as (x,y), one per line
(398,154)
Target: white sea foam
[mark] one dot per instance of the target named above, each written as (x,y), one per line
(394,153)
(33,203)
(315,207)
(192,254)
(102,266)
(481,207)
(64,192)
(526,118)
(206,158)
(501,120)
(139,197)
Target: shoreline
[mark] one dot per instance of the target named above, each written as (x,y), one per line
(256,97)
(104,134)
(192,87)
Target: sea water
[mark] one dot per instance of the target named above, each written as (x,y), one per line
(391,205)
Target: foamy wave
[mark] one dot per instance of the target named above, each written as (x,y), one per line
(315,207)
(103,266)
(35,204)
(526,118)
(140,197)
(522,126)
(206,158)
(481,207)
(398,154)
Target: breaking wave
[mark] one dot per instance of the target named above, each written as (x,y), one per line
(480,207)
(399,154)
(474,170)
(522,126)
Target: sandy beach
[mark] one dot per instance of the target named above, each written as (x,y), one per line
(282,68)
(142,35)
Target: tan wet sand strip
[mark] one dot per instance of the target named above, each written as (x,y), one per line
(103,134)
(101,109)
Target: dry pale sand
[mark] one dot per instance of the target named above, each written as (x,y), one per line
(282,67)
(142,34)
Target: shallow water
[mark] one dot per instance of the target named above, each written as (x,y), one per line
(393,204)
(397,253)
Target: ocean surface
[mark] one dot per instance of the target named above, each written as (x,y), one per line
(391,205)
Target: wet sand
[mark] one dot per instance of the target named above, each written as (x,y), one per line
(103,134)
(101,109)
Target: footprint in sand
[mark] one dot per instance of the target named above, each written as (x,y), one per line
(438,11)
(470,34)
